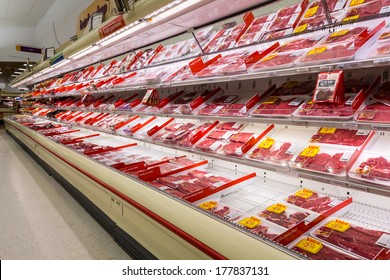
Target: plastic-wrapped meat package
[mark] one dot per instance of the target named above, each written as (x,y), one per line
(310,200)
(287,11)
(283,215)
(274,61)
(233,147)
(375,167)
(353,238)
(220,209)
(280,23)
(340,136)
(277,153)
(272,35)
(365,10)
(186,141)
(174,132)
(328,54)
(280,106)
(230,126)
(320,251)
(261,227)
(298,44)
(346,35)
(329,110)
(214,140)
(373,111)
(312,23)
(234,110)
(217,104)
(295,88)
(383,94)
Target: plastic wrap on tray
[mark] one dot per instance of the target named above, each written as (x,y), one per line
(220,209)
(217,104)
(353,238)
(328,54)
(278,106)
(275,61)
(317,250)
(328,159)
(218,137)
(310,200)
(366,9)
(329,111)
(298,44)
(261,227)
(283,215)
(355,34)
(295,88)
(340,136)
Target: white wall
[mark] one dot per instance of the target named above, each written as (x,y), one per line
(64,15)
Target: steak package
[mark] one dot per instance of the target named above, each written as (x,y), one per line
(365,9)
(256,30)
(340,136)
(217,104)
(220,209)
(353,238)
(317,250)
(261,226)
(295,88)
(299,43)
(323,158)
(278,106)
(275,61)
(310,200)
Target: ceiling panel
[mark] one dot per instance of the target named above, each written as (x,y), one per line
(19,7)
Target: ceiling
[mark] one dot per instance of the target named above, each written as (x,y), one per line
(9,68)
(22,13)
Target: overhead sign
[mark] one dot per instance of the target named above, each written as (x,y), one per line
(98,6)
(21,48)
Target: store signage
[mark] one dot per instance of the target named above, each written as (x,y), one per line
(21,48)
(56,58)
(112,26)
(98,6)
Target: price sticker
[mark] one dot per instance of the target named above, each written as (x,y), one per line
(328,130)
(311,12)
(339,33)
(271,100)
(277,208)
(317,50)
(310,245)
(338,225)
(351,18)
(267,143)
(269,57)
(251,222)
(304,193)
(384,36)
(356,2)
(290,84)
(300,28)
(384,241)
(363,132)
(208,205)
(310,151)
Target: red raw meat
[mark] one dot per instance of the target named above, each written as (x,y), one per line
(229,126)
(297,45)
(356,239)
(288,11)
(176,193)
(314,22)
(241,137)
(375,168)
(341,136)
(385,49)
(280,154)
(184,161)
(278,60)
(232,110)
(222,212)
(325,109)
(373,8)
(232,149)
(280,107)
(375,112)
(263,230)
(351,35)
(219,135)
(211,109)
(325,253)
(179,126)
(284,220)
(187,187)
(197,174)
(260,154)
(205,145)
(281,23)
(331,52)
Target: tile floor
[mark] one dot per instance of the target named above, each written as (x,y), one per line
(39,219)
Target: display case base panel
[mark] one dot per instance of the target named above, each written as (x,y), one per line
(134,249)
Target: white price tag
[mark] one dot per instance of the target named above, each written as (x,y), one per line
(227,135)
(177,133)
(230,99)
(384,10)
(238,151)
(215,146)
(346,156)
(339,5)
(334,203)
(217,109)
(243,110)
(310,218)
(217,185)
(258,35)
(297,101)
(362,132)
(350,100)
(293,19)
(179,182)
(384,241)
(237,125)
(293,149)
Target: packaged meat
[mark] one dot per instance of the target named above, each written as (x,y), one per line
(283,22)
(328,54)
(220,209)
(373,112)
(230,126)
(298,44)
(353,238)
(310,200)
(369,8)
(295,88)
(272,35)
(217,104)
(294,9)
(188,140)
(278,106)
(356,34)
(283,215)
(327,159)
(275,61)
(261,227)
(317,250)
(340,136)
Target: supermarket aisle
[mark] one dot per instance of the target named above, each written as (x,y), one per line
(39,219)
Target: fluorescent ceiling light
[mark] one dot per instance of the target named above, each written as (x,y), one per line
(18,72)
(23,69)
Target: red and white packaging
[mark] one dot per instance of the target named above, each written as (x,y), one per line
(329,88)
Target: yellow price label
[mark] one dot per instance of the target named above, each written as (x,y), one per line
(277,208)
(310,151)
(271,100)
(351,18)
(267,143)
(290,84)
(208,205)
(250,222)
(300,28)
(339,33)
(356,2)
(328,130)
(317,50)
(338,225)
(385,35)
(310,245)
(269,57)
(304,193)
(311,12)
